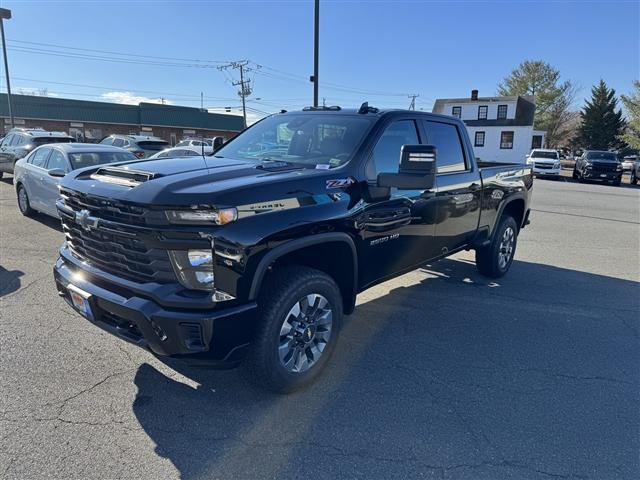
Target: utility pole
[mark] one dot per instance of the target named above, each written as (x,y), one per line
(316,51)
(5,14)
(412,105)
(201,101)
(245,85)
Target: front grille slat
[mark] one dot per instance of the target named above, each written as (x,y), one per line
(114,246)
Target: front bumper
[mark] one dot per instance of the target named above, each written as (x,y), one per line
(590,174)
(214,335)
(551,172)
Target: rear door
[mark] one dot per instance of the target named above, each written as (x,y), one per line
(396,234)
(36,176)
(4,152)
(458,186)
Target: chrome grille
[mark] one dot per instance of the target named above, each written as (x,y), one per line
(113,247)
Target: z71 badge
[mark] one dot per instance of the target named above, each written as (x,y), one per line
(340,183)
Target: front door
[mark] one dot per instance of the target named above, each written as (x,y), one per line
(395,234)
(458,187)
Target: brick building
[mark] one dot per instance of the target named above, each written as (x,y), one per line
(92,121)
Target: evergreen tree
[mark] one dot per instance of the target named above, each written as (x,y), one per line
(553,98)
(601,124)
(632,103)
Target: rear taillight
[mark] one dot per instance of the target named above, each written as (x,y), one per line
(139,154)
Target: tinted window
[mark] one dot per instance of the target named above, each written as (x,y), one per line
(7,140)
(57,160)
(91,159)
(154,146)
(45,140)
(118,142)
(386,154)
(601,156)
(39,157)
(107,141)
(542,154)
(449,153)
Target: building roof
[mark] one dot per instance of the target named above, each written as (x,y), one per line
(148,114)
(525,110)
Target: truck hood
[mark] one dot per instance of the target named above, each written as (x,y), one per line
(187,181)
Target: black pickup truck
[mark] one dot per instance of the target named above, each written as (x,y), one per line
(258,251)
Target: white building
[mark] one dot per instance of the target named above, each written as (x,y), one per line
(500,128)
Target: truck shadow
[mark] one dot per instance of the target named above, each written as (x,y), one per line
(9,281)
(448,373)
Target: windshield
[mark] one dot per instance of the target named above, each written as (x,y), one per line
(602,156)
(307,139)
(541,154)
(44,140)
(91,159)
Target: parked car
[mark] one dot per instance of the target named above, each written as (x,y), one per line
(208,144)
(180,152)
(141,146)
(598,165)
(36,176)
(635,173)
(236,254)
(545,162)
(20,141)
(629,162)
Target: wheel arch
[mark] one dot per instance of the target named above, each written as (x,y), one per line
(333,253)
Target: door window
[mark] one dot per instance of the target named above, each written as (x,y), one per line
(118,142)
(449,152)
(386,154)
(39,157)
(57,160)
(107,141)
(7,140)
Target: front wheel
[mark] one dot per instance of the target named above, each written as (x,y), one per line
(23,202)
(495,259)
(300,317)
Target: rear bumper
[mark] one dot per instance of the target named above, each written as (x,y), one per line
(217,335)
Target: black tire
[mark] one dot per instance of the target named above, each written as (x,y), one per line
(24,205)
(488,259)
(282,292)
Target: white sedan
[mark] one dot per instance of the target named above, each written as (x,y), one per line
(179,152)
(37,175)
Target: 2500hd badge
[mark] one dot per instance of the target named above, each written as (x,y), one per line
(255,253)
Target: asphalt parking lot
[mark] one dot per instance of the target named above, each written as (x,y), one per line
(439,373)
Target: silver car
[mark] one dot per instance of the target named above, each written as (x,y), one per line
(37,175)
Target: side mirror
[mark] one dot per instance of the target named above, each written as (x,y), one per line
(57,172)
(217,142)
(417,169)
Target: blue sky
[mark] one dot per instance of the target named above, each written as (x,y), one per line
(379,51)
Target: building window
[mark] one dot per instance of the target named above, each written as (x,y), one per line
(506,140)
(479,140)
(456,112)
(482,112)
(502,112)
(536,141)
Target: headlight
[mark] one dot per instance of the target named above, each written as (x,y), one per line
(194,268)
(199,217)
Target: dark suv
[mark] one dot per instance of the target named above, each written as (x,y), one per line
(20,141)
(142,146)
(598,165)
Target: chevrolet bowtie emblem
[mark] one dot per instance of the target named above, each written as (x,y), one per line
(85,220)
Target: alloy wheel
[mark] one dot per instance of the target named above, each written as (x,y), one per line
(23,201)
(505,250)
(305,333)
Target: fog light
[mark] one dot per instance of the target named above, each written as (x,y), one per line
(194,268)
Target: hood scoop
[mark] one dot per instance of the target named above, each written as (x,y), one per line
(123,176)
(277,166)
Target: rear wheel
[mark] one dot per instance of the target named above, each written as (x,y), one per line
(495,259)
(300,317)
(23,202)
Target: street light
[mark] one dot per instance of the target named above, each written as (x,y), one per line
(5,14)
